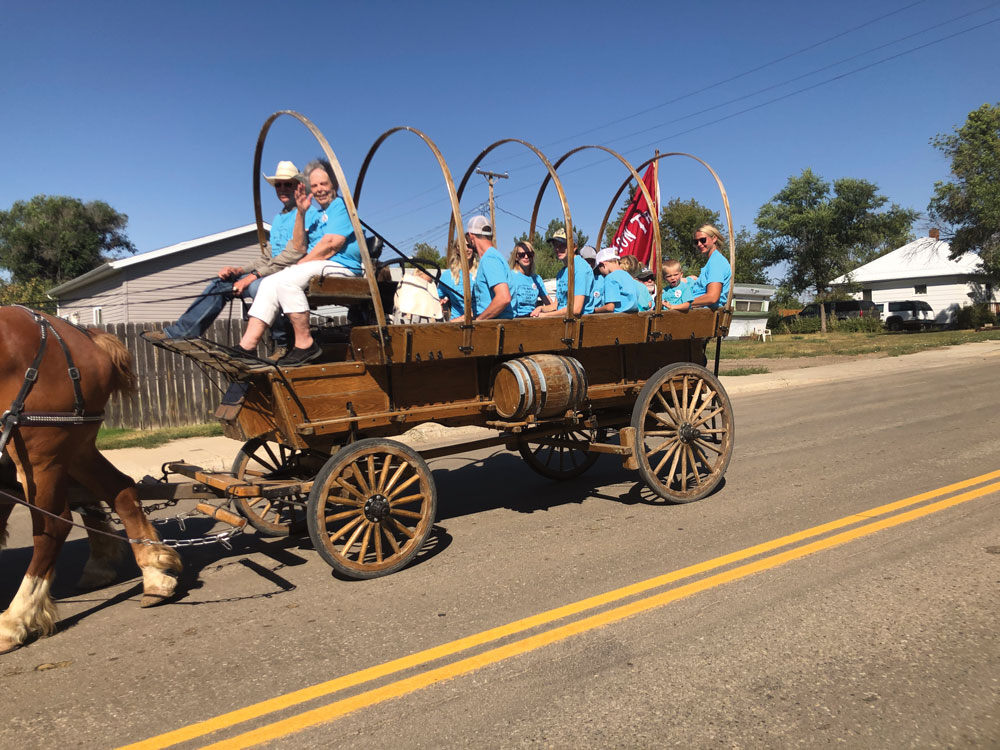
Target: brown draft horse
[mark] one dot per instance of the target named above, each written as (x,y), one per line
(47,457)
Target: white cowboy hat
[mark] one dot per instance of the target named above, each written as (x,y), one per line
(286,171)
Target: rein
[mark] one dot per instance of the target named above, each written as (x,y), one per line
(16,415)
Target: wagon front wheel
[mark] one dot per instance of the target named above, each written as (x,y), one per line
(556,456)
(258,459)
(683,432)
(371,508)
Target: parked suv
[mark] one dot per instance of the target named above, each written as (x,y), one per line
(910,313)
(840,309)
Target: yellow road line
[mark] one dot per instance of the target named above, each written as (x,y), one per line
(399,688)
(297,697)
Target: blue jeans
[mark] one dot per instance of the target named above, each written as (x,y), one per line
(206,308)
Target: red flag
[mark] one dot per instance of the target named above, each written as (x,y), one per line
(635,234)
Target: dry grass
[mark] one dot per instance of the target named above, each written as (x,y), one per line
(118,437)
(818,345)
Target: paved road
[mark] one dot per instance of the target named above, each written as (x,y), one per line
(882,632)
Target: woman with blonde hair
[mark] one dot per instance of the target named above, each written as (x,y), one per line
(450,289)
(526,288)
(711,288)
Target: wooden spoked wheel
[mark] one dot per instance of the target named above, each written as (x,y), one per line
(560,461)
(683,432)
(258,459)
(371,508)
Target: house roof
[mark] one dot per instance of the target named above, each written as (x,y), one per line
(111,268)
(923,258)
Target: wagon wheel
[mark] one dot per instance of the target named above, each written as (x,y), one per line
(260,459)
(560,462)
(683,432)
(371,508)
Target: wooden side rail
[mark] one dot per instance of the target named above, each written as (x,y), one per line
(346,290)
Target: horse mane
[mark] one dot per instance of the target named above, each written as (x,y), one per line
(123,372)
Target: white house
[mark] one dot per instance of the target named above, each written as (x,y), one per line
(751,305)
(922,270)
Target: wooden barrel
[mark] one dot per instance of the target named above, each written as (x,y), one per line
(542,385)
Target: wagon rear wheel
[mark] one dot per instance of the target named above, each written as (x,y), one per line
(259,459)
(371,508)
(560,461)
(684,432)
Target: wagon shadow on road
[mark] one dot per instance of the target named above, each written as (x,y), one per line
(504,480)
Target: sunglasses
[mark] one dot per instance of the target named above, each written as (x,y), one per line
(701,241)
(288,184)
(525,254)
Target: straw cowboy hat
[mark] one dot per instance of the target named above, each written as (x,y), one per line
(286,171)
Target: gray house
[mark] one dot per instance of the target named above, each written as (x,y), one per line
(154,286)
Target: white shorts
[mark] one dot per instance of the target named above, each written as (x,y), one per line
(285,291)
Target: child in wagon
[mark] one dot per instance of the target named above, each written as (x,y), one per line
(622,293)
(677,292)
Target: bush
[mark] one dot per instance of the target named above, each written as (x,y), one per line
(974,316)
(858,325)
(802,325)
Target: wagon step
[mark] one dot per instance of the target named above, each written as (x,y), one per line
(225,483)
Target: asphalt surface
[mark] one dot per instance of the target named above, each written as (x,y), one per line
(886,639)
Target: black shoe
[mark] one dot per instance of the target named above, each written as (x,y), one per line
(246,357)
(299,356)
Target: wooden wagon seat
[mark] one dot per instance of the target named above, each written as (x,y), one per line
(353,290)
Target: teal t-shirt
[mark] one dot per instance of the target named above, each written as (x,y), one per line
(583,284)
(524,293)
(451,287)
(716,270)
(493,270)
(620,289)
(678,295)
(336,220)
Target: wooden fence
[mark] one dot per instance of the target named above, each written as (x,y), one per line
(173,391)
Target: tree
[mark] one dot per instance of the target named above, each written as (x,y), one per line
(822,231)
(547,265)
(57,238)
(30,293)
(429,254)
(970,206)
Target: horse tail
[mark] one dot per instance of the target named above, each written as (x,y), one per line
(123,372)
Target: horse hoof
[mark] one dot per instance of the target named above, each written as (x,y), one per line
(153,600)
(7,646)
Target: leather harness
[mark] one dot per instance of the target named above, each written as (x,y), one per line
(16,415)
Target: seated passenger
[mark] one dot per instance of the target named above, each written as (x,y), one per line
(526,287)
(711,288)
(450,285)
(622,293)
(677,293)
(491,298)
(583,283)
(336,253)
(244,282)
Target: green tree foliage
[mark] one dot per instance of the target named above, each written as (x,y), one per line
(30,293)
(546,262)
(428,254)
(57,238)
(822,231)
(970,204)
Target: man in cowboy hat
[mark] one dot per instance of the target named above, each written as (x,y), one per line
(234,281)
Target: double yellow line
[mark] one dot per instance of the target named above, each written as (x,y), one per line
(423,679)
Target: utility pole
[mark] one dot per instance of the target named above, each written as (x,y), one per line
(491,177)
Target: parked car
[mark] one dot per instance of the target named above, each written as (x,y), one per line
(839,309)
(912,314)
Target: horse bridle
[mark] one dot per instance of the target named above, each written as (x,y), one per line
(16,415)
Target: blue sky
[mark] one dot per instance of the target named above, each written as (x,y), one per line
(155,108)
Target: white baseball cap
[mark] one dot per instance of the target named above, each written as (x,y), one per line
(605,254)
(479,225)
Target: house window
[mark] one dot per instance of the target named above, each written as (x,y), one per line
(742,305)
(920,289)
(98,315)
(757,306)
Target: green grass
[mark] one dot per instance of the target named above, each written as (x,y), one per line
(110,438)
(745,371)
(818,345)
